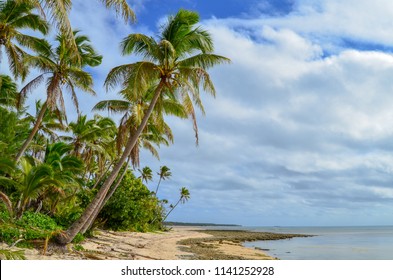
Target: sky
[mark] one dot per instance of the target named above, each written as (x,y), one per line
(301,130)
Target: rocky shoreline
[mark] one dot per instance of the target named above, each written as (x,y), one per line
(210,248)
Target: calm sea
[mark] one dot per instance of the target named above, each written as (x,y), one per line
(329,243)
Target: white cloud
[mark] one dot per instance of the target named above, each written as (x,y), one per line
(297,117)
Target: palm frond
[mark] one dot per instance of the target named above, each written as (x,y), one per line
(33,43)
(203,60)
(189,107)
(139,44)
(115,106)
(60,10)
(32,21)
(135,77)
(122,8)
(12,255)
(30,86)
(15,58)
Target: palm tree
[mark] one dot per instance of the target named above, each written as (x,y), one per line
(146,174)
(67,169)
(15,16)
(55,175)
(156,132)
(164,174)
(184,196)
(33,180)
(62,71)
(177,64)
(93,141)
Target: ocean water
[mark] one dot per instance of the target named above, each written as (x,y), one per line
(329,243)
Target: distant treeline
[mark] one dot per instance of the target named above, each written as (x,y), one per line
(200,224)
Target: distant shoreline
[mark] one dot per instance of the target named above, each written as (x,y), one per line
(199,224)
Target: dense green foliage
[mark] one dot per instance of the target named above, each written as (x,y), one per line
(132,207)
(30,226)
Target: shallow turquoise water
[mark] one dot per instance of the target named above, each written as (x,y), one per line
(330,243)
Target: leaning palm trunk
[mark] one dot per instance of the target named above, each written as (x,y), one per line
(32,133)
(173,208)
(67,236)
(89,224)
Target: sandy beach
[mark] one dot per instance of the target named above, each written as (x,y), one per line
(178,243)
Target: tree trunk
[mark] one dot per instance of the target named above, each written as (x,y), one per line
(67,236)
(173,208)
(158,185)
(32,133)
(105,200)
(102,176)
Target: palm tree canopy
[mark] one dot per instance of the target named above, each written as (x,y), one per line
(14,17)
(146,174)
(178,59)
(164,173)
(184,194)
(59,63)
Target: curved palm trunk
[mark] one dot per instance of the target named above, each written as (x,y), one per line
(104,201)
(67,236)
(158,185)
(32,133)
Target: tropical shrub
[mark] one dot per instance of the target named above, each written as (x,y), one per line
(29,227)
(132,207)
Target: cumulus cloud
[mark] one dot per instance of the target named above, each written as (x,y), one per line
(293,129)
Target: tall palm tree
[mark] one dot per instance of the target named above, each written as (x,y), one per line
(16,16)
(164,174)
(184,196)
(62,72)
(177,64)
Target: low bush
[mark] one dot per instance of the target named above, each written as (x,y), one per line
(29,227)
(132,207)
